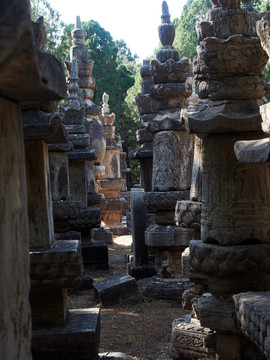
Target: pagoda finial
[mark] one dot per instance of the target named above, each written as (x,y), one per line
(105,105)
(73,87)
(78,24)
(165,17)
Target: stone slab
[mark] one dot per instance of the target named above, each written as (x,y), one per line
(78,339)
(81,154)
(167,236)
(192,341)
(171,289)
(95,254)
(118,288)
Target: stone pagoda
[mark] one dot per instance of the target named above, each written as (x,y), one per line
(113,205)
(165,93)
(234,245)
(89,137)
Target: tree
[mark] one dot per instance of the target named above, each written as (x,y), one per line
(54,24)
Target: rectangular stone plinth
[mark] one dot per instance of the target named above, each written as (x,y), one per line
(57,267)
(117,288)
(253,314)
(167,236)
(78,339)
(192,341)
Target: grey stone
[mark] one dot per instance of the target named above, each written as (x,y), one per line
(164,236)
(253,314)
(113,356)
(79,338)
(217,314)
(118,288)
(164,200)
(188,214)
(165,288)
(253,151)
(192,341)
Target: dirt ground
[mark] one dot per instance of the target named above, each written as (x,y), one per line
(141,330)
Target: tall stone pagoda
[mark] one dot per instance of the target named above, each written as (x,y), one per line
(234,244)
(164,94)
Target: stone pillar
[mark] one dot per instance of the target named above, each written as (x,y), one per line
(113,205)
(165,93)
(235,214)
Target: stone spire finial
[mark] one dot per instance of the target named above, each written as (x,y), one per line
(165,17)
(73,87)
(79,50)
(105,105)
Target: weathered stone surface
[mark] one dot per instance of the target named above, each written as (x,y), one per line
(158,288)
(111,290)
(103,234)
(114,356)
(231,88)
(262,28)
(78,338)
(168,263)
(226,116)
(171,91)
(217,314)
(15,328)
(170,71)
(253,314)
(44,126)
(147,105)
(188,214)
(138,213)
(112,184)
(72,116)
(172,160)
(112,164)
(233,192)
(204,29)
(40,215)
(196,177)
(166,236)
(59,266)
(265,111)
(164,218)
(59,176)
(142,136)
(164,200)
(233,21)
(247,265)
(235,56)
(94,128)
(95,253)
(72,215)
(79,140)
(192,341)
(253,151)
(42,78)
(81,154)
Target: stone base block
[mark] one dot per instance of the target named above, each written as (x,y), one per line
(78,339)
(159,288)
(120,287)
(119,230)
(95,254)
(192,341)
(141,272)
(167,236)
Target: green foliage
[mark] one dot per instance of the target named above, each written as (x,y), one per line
(52,20)
(185,34)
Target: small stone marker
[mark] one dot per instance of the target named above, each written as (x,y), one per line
(120,287)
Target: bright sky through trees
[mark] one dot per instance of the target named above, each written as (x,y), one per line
(135,21)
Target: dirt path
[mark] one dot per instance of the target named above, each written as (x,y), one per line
(141,330)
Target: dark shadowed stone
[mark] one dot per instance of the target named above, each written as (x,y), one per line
(79,339)
(95,254)
(118,288)
(81,154)
(165,288)
(44,126)
(144,151)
